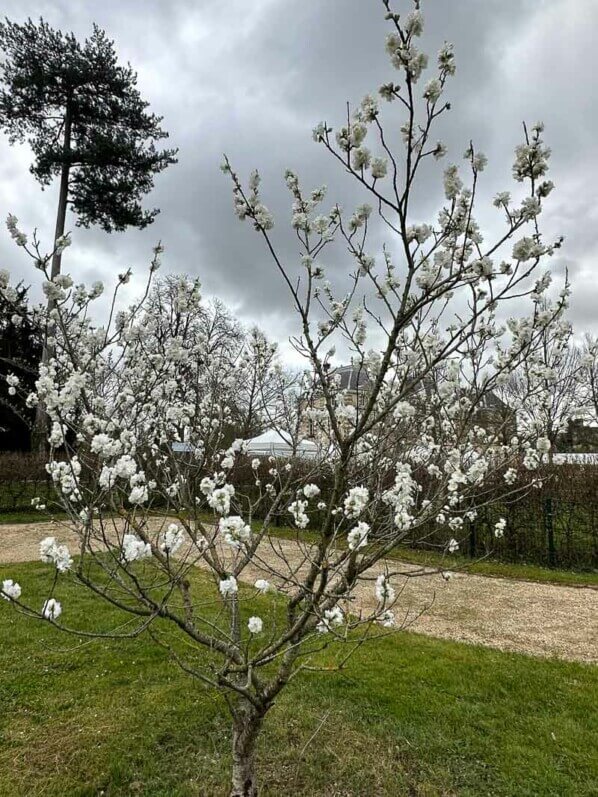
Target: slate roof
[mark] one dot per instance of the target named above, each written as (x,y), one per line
(351,378)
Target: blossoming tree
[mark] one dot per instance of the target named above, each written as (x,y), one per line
(428,320)
(589,377)
(548,386)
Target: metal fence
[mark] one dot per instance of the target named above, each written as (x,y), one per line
(555,525)
(542,530)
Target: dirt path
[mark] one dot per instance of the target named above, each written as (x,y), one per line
(538,619)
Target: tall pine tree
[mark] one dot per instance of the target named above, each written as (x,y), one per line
(86,123)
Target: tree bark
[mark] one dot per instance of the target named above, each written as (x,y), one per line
(39,435)
(246,728)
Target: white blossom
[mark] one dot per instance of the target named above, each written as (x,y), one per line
(255,625)
(58,555)
(297,509)
(134,548)
(235,530)
(139,494)
(387,619)
(384,591)
(10,590)
(358,536)
(311,490)
(378,168)
(356,501)
(332,617)
(499,528)
(172,539)
(52,609)
(219,499)
(228,586)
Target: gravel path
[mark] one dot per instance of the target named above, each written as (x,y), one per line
(537,619)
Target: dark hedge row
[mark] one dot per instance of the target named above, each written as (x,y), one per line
(555,525)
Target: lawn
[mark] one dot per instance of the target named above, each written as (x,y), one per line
(410,715)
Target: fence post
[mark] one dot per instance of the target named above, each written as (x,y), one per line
(549,527)
(472,540)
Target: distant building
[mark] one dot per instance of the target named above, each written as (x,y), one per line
(579,437)
(350,378)
(496,417)
(352,381)
(492,414)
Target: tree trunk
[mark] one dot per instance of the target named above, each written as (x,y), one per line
(246,728)
(39,435)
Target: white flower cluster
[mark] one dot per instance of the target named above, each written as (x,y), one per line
(10,590)
(510,476)
(383,590)
(311,491)
(297,509)
(387,619)
(401,496)
(125,466)
(251,206)
(527,249)
(332,617)
(172,539)
(262,585)
(404,410)
(66,476)
(236,532)
(13,383)
(219,498)
(358,536)
(19,237)
(453,185)
(255,625)
(134,548)
(406,56)
(58,555)
(52,609)
(228,587)
(346,414)
(531,158)
(356,501)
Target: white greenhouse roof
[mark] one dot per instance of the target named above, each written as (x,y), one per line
(277,444)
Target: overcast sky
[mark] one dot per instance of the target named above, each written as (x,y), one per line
(252,78)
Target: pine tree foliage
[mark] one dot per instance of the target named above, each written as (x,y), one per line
(79,109)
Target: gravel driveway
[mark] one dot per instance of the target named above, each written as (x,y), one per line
(525,617)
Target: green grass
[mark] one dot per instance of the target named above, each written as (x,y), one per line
(410,716)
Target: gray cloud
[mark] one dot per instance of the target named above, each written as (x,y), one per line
(251,79)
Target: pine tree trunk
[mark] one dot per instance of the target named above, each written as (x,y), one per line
(39,434)
(246,730)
